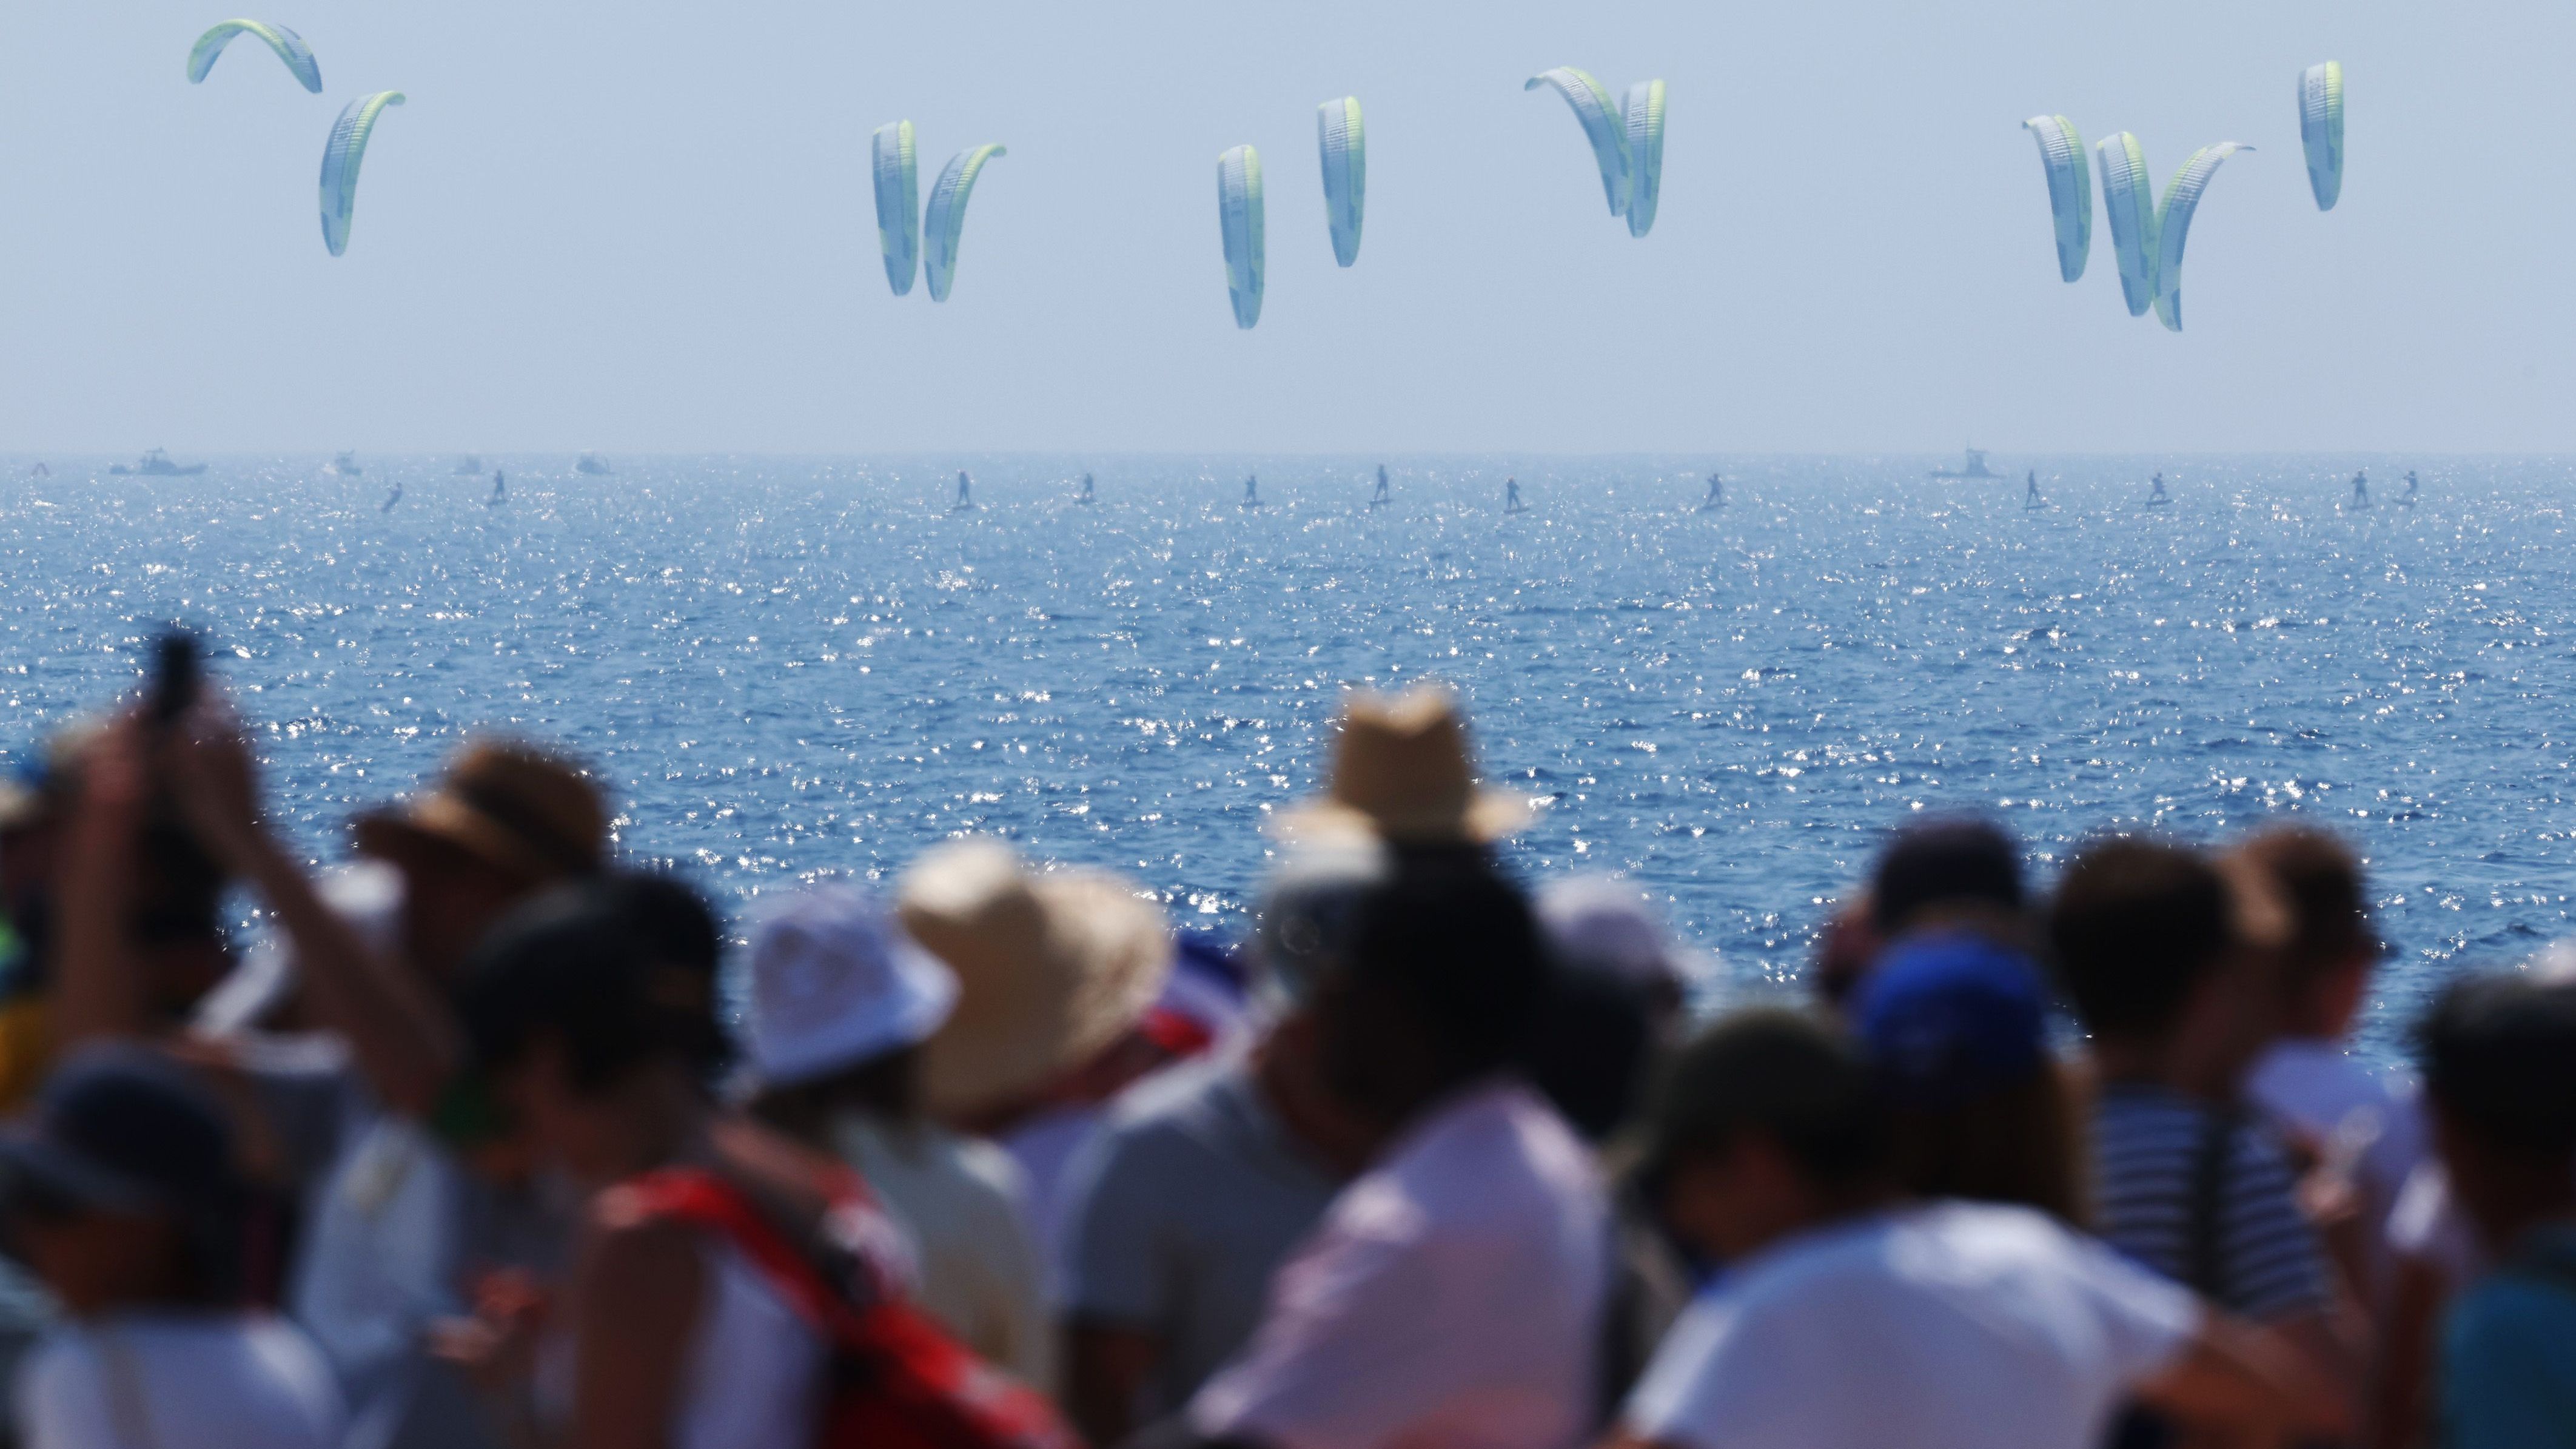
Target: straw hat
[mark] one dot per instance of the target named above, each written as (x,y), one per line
(1403,772)
(1051,968)
(506,803)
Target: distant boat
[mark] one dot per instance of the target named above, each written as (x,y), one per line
(1975,468)
(40,471)
(468,466)
(1512,496)
(1381,497)
(965,493)
(1252,490)
(2157,497)
(157,464)
(1089,493)
(1716,498)
(346,466)
(589,463)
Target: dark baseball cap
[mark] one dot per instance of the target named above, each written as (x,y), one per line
(122,1128)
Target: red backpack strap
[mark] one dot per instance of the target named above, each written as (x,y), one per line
(706,1200)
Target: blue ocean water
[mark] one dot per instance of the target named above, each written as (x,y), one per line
(792,666)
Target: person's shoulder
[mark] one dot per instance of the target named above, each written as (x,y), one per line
(1499,1151)
(1185,1108)
(1179,1096)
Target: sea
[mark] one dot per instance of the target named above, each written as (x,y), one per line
(792,668)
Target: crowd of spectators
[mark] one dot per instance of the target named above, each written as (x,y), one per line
(487,1137)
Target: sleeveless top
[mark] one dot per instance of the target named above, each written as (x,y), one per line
(754,1374)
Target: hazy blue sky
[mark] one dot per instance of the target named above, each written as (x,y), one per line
(640,225)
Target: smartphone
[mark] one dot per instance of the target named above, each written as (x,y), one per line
(177,671)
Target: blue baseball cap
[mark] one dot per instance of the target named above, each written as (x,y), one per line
(1951,1016)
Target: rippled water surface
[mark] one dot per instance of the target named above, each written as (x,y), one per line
(788,666)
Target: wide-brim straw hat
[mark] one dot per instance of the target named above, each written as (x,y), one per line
(1403,772)
(1052,967)
(508,804)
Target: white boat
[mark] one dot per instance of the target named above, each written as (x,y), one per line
(589,463)
(468,466)
(346,466)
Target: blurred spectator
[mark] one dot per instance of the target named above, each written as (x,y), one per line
(1404,774)
(1203,1179)
(2160,958)
(1057,972)
(1453,1293)
(330,1123)
(666,1335)
(423,1193)
(1960,871)
(1955,1027)
(1851,1319)
(2362,1128)
(123,1198)
(1610,928)
(730,1288)
(34,805)
(841,1001)
(2499,1056)
(1942,868)
(1617,1002)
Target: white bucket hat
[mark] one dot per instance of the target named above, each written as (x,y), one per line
(835,982)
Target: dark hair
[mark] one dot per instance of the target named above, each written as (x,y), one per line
(1960,860)
(1457,943)
(2016,1144)
(1591,1060)
(2135,927)
(2320,881)
(681,931)
(1783,1075)
(2499,1059)
(583,965)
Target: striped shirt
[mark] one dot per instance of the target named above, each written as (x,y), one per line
(2148,1143)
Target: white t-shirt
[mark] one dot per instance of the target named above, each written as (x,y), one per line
(1452,1296)
(177,1381)
(1942,1326)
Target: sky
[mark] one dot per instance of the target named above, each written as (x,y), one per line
(637,226)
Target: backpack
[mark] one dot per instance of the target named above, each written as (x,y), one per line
(897,1379)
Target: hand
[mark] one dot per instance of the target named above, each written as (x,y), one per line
(496,1349)
(207,763)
